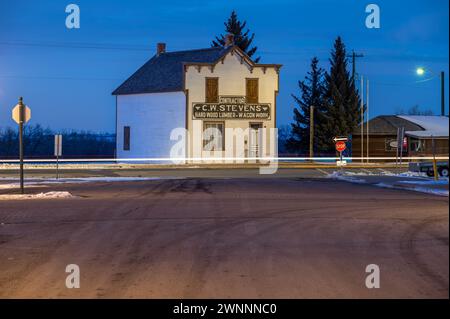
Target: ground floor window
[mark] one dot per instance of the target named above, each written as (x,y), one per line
(126,138)
(213,136)
(416,145)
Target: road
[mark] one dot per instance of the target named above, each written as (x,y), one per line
(212,237)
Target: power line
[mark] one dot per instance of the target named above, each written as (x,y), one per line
(58,77)
(145,48)
(67,45)
(415,84)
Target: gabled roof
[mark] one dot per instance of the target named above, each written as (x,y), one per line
(414,125)
(388,125)
(164,72)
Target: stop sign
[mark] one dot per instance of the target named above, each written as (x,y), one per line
(340,146)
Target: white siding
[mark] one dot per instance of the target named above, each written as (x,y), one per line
(151,118)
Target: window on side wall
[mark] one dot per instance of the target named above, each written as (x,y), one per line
(212,90)
(213,136)
(252,90)
(126,138)
(416,145)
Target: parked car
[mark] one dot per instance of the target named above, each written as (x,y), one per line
(427,167)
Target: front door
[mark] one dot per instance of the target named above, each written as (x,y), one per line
(254,140)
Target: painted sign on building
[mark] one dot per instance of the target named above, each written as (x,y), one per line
(231,107)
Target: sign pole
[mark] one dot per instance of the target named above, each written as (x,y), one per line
(57,155)
(21,120)
(21,156)
(21,114)
(58,152)
(433,147)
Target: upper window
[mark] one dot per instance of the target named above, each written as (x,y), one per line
(212,90)
(252,90)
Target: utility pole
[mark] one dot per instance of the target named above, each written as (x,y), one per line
(367,134)
(354,56)
(311,132)
(396,149)
(362,119)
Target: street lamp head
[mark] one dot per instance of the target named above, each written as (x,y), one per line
(420,71)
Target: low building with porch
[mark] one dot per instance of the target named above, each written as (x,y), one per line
(420,133)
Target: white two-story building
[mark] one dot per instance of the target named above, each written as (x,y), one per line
(218,95)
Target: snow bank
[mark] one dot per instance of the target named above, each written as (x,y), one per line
(344,177)
(387,173)
(42,182)
(427,182)
(418,185)
(405,174)
(433,191)
(37,196)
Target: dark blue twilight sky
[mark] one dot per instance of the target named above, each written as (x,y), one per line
(67,76)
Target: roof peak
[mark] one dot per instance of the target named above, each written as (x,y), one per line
(164,71)
(195,50)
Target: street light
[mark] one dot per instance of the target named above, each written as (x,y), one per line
(422,71)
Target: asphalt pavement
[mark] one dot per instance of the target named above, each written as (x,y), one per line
(207,237)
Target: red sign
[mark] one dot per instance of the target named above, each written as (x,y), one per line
(340,146)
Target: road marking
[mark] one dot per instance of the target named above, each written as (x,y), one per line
(322,171)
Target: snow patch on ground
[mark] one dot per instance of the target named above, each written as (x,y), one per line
(417,185)
(428,182)
(47,195)
(409,174)
(42,182)
(433,191)
(17,185)
(344,177)
(387,173)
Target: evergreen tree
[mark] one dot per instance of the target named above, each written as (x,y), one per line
(311,94)
(242,37)
(342,103)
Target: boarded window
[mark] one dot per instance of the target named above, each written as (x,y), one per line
(212,90)
(126,138)
(213,136)
(252,90)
